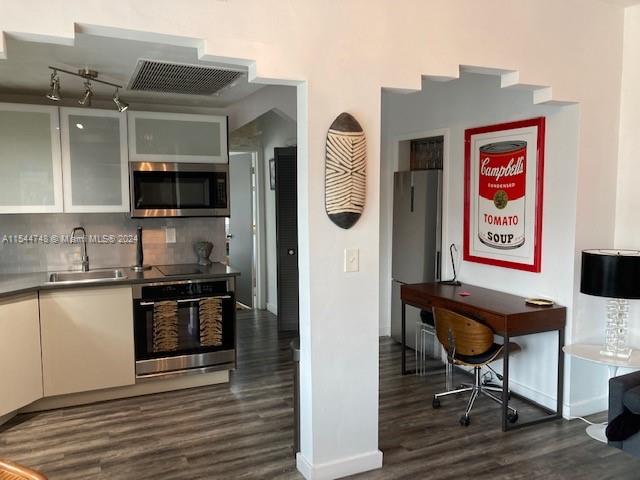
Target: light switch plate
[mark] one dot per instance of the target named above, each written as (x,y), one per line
(170,235)
(351,260)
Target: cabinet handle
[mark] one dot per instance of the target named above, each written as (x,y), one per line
(184,300)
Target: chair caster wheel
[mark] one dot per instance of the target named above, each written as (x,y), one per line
(465,420)
(435,403)
(512,417)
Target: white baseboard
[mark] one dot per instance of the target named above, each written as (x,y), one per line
(569,410)
(533,394)
(339,468)
(586,407)
(272,308)
(166,384)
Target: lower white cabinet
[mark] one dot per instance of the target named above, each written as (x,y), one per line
(20,365)
(87,339)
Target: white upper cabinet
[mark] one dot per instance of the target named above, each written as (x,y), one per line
(30,170)
(177,137)
(94,160)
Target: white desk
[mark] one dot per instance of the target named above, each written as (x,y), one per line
(591,353)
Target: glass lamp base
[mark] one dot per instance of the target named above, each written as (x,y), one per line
(617,329)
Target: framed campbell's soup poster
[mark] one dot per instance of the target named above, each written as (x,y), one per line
(503,172)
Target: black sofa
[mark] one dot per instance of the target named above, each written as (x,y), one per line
(624,393)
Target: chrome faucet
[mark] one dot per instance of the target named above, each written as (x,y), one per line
(85,258)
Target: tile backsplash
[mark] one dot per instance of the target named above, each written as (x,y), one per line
(38,256)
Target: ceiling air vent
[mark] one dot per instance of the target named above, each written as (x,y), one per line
(152,76)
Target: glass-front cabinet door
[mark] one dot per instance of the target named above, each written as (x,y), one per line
(177,137)
(31,173)
(94,160)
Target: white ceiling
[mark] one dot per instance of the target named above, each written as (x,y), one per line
(25,69)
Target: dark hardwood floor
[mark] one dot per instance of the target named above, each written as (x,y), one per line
(241,431)
(419,442)
(244,431)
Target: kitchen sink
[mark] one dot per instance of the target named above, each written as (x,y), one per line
(90,276)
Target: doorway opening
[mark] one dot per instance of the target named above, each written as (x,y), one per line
(448,109)
(241,232)
(262,231)
(181,126)
(417,219)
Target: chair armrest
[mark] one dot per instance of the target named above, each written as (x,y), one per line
(617,387)
(11,470)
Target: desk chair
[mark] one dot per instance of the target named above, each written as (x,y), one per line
(13,471)
(469,343)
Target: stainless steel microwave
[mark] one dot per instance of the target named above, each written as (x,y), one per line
(179,189)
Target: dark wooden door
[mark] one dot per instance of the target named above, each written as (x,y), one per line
(287,236)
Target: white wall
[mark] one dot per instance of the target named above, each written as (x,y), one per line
(340,61)
(475,100)
(628,202)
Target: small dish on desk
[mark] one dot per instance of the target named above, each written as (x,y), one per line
(539,302)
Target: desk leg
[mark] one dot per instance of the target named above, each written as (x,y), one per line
(550,414)
(404,338)
(505,384)
(560,386)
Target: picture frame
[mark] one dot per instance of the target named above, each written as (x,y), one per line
(272,173)
(503,194)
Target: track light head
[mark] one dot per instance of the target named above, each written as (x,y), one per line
(120,104)
(85,99)
(89,76)
(54,87)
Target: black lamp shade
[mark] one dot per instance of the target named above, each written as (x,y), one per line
(611,273)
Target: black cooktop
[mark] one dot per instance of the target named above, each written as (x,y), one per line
(175,270)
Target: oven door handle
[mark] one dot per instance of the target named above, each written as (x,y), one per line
(184,300)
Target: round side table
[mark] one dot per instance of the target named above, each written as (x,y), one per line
(591,353)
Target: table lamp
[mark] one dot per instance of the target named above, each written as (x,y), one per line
(614,274)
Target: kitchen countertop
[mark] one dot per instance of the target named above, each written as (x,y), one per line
(17,283)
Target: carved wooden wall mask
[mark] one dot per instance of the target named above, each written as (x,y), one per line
(345,171)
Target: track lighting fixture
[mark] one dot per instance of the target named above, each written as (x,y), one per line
(85,99)
(120,104)
(54,87)
(89,76)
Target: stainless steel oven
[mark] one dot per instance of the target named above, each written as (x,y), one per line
(179,189)
(183,327)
